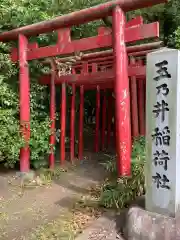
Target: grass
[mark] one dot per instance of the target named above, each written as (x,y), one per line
(119,192)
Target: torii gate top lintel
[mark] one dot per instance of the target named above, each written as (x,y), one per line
(79,17)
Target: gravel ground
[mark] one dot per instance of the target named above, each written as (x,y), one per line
(103,228)
(23,211)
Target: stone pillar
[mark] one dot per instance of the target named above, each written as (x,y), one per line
(163,132)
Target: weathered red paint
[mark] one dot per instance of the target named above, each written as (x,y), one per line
(52,118)
(134,104)
(103,129)
(109,85)
(81,123)
(72,129)
(132,23)
(135,21)
(101,59)
(96,146)
(104,66)
(110,107)
(114,125)
(94,78)
(145,107)
(24,96)
(104,30)
(108,54)
(142,49)
(63,123)
(76,18)
(136,33)
(105,63)
(141,104)
(81,113)
(122,98)
(97,119)
(98,61)
(141,53)
(63,36)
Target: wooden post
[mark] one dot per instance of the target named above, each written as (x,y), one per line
(141,93)
(24,95)
(103,134)
(122,98)
(63,123)
(110,110)
(52,140)
(97,119)
(72,130)
(81,122)
(134,104)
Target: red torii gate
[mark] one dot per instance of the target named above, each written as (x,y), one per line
(102,79)
(102,32)
(114,8)
(95,80)
(105,58)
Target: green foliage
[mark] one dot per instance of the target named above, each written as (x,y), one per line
(39,143)
(171,21)
(177,38)
(118,193)
(10,140)
(138,149)
(16,13)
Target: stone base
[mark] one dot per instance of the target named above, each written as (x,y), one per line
(27,178)
(26,175)
(146,225)
(133,223)
(136,223)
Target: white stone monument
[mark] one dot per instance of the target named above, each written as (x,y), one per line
(163,132)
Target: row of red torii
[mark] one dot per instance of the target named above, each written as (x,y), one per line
(116,76)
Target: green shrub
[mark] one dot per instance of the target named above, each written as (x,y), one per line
(119,192)
(177,38)
(10,139)
(13,14)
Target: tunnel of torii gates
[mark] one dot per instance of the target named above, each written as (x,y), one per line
(116,75)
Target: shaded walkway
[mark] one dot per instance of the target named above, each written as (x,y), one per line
(22,212)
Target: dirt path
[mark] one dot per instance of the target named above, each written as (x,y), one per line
(22,212)
(103,228)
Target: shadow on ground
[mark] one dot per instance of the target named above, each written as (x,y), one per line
(22,210)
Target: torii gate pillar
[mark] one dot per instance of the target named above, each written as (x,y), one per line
(24,92)
(122,96)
